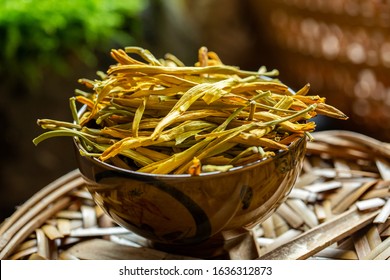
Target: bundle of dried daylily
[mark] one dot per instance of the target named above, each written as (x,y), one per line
(68,225)
(157,116)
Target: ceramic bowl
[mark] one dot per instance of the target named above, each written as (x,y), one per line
(184,209)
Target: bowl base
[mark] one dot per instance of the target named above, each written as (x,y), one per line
(222,246)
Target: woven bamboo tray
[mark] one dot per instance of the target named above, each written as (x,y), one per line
(338,209)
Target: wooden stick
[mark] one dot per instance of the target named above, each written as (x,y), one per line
(320,237)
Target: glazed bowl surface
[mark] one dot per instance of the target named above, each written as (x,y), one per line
(185,209)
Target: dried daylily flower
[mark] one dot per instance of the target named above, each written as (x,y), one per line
(160,116)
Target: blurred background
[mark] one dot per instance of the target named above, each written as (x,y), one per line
(340,47)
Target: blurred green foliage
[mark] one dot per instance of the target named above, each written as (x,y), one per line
(42,35)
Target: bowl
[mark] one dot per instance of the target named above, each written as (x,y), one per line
(185,209)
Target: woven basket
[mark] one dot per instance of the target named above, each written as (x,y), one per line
(341,200)
(341,47)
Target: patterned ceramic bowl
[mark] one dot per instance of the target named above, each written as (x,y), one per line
(184,209)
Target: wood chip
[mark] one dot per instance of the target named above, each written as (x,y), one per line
(342,168)
(23,253)
(27,244)
(74,224)
(384,213)
(36,256)
(323,187)
(82,232)
(64,226)
(302,194)
(42,244)
(382,227)
(268,227)
(339,254)
(384,168)
(83,193)
(343,193)
(377,193)
(373,237)
(67,256)
(325,172)
(362,247)
(352,197)
(66,214)
(51,232)
(306,179)
(291,217)
(120,240)
(264,242)
(280,241)
(320,212)
(131,237)
(327,205)
(368,204)
(280,224)
(301,209)
(89,216)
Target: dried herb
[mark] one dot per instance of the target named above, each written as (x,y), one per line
(159,116)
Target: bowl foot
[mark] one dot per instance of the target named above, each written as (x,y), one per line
(222,246)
